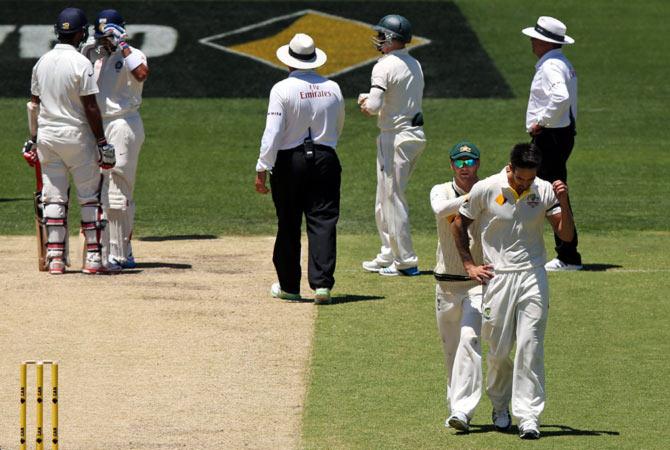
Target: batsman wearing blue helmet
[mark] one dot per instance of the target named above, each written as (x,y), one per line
(64,121)
(120,72)
(395,97)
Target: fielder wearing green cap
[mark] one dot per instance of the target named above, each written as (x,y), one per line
(458,299)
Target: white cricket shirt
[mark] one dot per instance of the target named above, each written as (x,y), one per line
(446,199)
(60,77)
(553,92)
(120,93)
(401,78)
(511,225)
(305,100)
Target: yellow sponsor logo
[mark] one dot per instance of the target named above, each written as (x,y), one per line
(65,26)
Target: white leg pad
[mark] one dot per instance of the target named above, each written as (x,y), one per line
(55,218)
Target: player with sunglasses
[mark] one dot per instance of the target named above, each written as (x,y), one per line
(458,299)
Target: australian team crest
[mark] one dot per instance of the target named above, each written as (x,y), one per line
(533,200)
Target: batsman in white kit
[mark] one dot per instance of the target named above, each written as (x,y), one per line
(65,122)
(511,207)
(395,96)
(120,72)
(458,299)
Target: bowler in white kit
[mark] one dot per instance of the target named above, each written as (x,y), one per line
(511,207)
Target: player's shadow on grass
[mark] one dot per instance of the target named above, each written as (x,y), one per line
(599,267)
(349,298)
(178,237)
(546,430)
(7,200)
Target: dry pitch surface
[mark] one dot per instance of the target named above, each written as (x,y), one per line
(188,351)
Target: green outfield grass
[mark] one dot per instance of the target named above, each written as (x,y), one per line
(377,378)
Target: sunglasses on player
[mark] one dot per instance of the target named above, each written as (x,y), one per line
(460,163)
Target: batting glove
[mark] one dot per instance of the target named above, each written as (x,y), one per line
(29,152)
(117,34)
(107,159)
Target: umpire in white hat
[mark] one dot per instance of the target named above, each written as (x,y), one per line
(551,117)
(304,121)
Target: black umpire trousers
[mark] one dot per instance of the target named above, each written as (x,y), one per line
(309,186)
(556,144)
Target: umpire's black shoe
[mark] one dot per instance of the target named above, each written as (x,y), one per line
(529,432)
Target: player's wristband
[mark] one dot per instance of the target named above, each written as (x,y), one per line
(133,61)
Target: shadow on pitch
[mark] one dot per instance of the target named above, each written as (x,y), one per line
(161,265)
(600,267)
(178,237)
(546,431)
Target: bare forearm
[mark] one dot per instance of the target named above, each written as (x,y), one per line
(566,227)
(459,229)
(93,116)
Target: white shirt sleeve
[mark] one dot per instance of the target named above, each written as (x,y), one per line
(274,127)
(551,205)
(554,86)
(442,205)
(474,204)
(34,84)
(379,84)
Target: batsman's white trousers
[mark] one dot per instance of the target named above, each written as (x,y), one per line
(397,154)
(515,307)
(127,136)
(63,150)
(458,311)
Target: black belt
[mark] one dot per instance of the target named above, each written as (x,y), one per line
(448,277)
(301,148)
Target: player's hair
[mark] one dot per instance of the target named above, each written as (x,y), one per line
(525,156)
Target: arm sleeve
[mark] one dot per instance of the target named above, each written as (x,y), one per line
(473,205)
(274,128)
(375,100)
(34,84)
(379,84)
(442,205)
(551,205)
(553,84)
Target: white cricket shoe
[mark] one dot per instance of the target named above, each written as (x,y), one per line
(393,271)
(276,292)
(459,421)
(56,266)
(556,265)
(93,265)
(502,421)
(375,265)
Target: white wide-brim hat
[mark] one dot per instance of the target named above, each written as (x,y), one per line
(550,30)
(301,53)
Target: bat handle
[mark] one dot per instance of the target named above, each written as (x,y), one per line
(38,176)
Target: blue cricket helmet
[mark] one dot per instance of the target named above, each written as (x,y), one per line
(71,21)
(395,27)
(105,17)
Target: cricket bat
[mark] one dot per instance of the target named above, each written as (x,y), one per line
(40,226)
